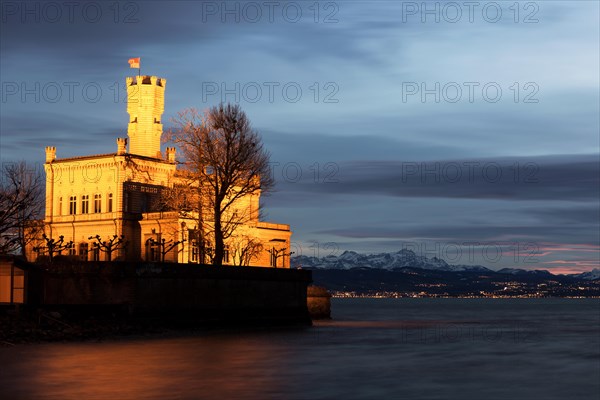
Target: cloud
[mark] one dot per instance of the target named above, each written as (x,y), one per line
(548,178)
(25,135)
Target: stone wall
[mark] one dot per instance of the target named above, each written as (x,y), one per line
(319,302)
(180,291)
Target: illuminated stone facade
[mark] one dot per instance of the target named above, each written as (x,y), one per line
(117,194)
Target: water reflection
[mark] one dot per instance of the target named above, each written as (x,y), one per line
(229,367)
(392,349)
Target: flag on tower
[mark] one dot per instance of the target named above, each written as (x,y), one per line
(134,62)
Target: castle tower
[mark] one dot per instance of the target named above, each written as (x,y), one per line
(50,154)
(145,105)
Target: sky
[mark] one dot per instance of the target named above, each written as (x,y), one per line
(466,131)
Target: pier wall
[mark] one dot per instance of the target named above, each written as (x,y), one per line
(184,292)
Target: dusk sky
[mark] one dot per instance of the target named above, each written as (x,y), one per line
(470,134)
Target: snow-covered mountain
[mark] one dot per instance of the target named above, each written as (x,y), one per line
(389,261)
(408,259)
(589,276)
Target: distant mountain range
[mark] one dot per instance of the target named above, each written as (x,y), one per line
(406,258)
(405,274)
(589,276)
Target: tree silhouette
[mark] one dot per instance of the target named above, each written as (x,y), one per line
(244,250)
(277,253)
(53,246)
(164,246)
(109,246)
(21,206)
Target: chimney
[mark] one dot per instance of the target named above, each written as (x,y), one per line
(121,146)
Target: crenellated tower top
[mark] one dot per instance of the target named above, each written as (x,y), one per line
(50,154)
(145,105)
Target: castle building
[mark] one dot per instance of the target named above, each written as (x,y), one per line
(93,201)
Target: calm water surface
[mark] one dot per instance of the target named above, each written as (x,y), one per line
(373,349)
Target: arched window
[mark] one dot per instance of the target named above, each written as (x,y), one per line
(97,203)
(83,251)
(85,204)
(73,205)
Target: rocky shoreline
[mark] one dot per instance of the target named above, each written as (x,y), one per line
(18,326)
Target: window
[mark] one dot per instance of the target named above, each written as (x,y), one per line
(83,251)
(59,206)
(71,249)
(153,249)
(73,205)
(97,203)
(95,253)
(144,203)
(200,251)
(273,257)
(109,203)
(207,254)
(85,204)
(226,254)
(194,251)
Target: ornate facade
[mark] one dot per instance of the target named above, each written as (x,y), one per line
(93,199)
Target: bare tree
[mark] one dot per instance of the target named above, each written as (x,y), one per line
(109,246)
(225,162)
(53,246)
(21,206)
(277,253)
(244,250)
(164,246)
(185,196)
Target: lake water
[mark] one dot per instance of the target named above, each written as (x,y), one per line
(506,349)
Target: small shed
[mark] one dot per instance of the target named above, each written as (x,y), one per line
(12,281)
